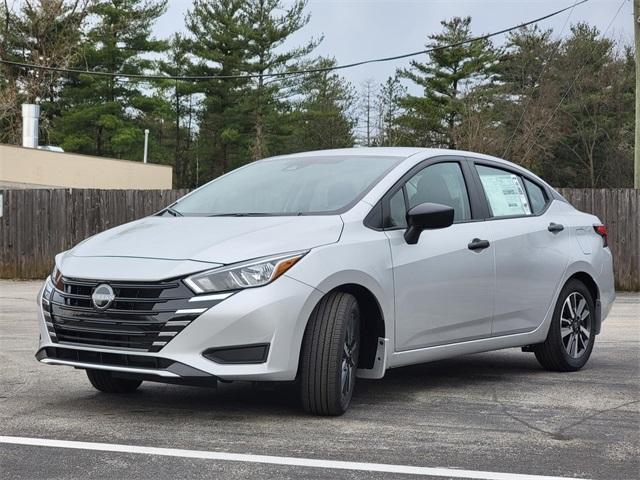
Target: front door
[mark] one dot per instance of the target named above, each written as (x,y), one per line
(443,284)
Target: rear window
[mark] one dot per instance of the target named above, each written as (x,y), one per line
(537,197)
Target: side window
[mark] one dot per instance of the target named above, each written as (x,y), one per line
(441,183)
(537,196)
(504,191)
(397,210)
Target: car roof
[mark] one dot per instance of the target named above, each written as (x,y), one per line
(400,152)
(410,152)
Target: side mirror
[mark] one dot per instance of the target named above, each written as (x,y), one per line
(427,216)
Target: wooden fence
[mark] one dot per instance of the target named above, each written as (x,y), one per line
(37,224)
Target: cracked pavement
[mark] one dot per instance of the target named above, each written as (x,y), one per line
(496,411)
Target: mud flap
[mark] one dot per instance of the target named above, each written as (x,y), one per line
(598,322)
(379,364)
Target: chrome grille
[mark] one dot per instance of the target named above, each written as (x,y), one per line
(143,316)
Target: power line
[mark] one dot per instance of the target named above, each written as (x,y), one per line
(294,72)
(542,72)
(575,78)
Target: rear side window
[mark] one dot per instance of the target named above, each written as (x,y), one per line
(504,191)
(537,196)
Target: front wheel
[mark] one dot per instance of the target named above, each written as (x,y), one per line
(105,382)
(330,350)
(571,334)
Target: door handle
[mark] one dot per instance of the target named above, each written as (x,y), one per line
(555,227)
(477,244)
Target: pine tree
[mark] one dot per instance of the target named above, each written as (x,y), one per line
(596,84)
(446,78)
(219,42)
(104,115)
(324,117)
(269,24)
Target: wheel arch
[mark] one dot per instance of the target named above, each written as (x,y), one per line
(372,315)
(586,273)
(372,324)
(588,281)
(579,270)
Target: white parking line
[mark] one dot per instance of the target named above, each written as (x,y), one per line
(273,460)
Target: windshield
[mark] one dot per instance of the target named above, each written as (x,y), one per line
(288,186)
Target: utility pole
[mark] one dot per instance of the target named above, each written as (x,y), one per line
(636,156)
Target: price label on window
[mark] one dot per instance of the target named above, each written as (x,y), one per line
(506,195)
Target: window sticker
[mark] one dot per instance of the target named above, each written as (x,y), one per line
(506,195)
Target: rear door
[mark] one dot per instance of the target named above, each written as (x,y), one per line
(443,288)
(530,245)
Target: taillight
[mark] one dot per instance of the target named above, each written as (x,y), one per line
(602,231)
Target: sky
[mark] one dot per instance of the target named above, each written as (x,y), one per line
(361,29)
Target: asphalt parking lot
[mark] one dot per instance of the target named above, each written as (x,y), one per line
(469,416)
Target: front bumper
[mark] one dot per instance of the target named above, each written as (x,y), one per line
(273,315)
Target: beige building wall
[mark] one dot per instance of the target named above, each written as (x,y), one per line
(29,168)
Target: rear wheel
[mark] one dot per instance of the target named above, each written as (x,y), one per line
(571,334)
(105,382)
(330,351)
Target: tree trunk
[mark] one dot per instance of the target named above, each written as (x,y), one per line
(636,29)
(259,150)
(176,160)
(225,158)
(452,116)
(99,142)
(188,145)
(368,115)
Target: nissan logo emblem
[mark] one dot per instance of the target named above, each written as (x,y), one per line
(103,296)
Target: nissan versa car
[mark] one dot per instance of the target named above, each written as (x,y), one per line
(326,266)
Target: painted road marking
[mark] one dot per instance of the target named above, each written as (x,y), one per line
(273,460)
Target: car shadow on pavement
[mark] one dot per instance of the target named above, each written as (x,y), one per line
(242,399)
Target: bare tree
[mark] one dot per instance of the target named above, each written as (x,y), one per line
(366,125)
(388,110)
(46,33)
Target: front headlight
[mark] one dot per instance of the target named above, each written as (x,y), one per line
(56,278)
(254,273)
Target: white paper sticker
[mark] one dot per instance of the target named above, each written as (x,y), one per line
(505,194)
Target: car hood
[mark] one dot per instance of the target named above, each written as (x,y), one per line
(219,240)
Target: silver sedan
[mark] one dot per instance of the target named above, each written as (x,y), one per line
(326,266)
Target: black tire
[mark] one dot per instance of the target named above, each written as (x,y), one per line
(105,382)
(334,321)
(553,354)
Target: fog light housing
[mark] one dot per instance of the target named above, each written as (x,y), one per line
(239,355)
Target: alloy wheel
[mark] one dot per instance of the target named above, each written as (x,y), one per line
(350,352)
(575,325)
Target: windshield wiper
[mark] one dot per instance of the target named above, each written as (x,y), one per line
(173,212)
(247,214)
(256,214)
